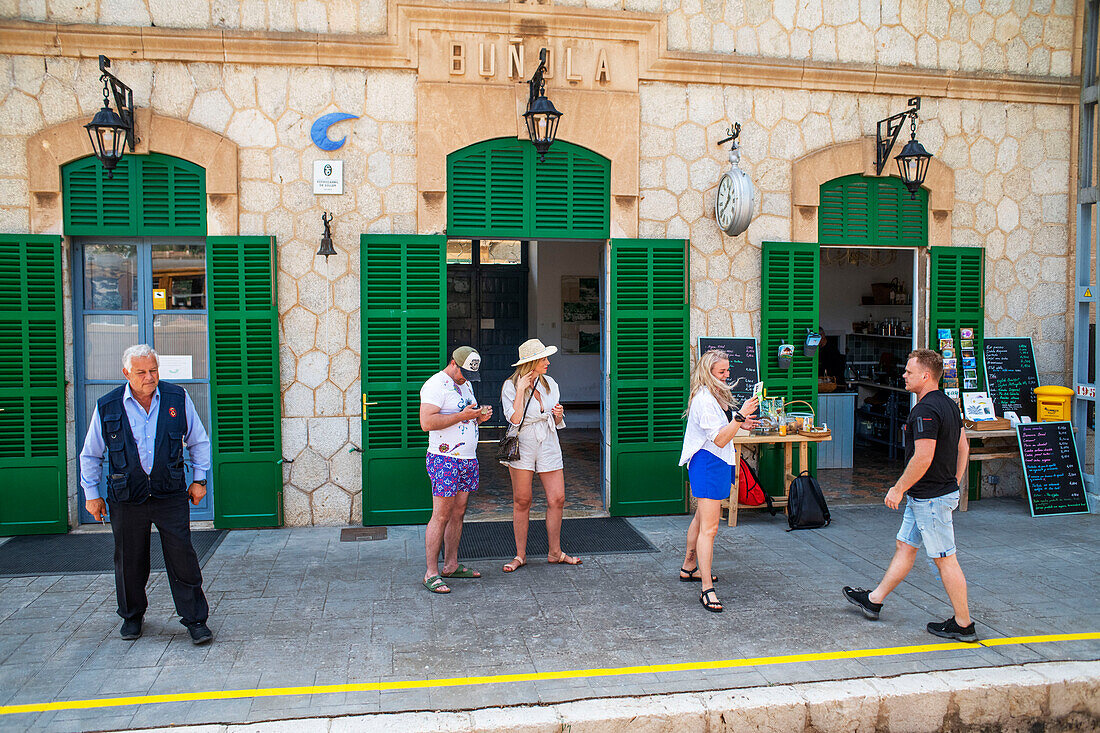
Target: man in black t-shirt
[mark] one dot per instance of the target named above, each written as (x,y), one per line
(936,454)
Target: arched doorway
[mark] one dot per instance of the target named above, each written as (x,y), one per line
(625,314)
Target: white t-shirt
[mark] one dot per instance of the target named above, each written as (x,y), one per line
(459,440)
(705,419)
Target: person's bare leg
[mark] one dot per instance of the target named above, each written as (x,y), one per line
(709,513)
(433,533)
(452,533)
(690,558)
(521,507)
(554,484)
(954,582)
(900,566)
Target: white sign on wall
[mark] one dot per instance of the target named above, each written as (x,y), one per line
(328,176)
(175,366)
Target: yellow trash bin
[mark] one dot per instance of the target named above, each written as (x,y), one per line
(1054,402)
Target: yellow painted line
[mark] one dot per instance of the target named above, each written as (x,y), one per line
(536,676)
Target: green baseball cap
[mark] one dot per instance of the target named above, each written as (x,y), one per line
(469,361)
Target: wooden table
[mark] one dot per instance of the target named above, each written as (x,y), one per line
(788,441)
(986,453)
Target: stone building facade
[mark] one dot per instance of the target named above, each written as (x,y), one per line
(241,82)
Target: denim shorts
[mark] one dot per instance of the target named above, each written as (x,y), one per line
(929,520)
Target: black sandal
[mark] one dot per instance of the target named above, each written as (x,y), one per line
(694,575)
(714,606)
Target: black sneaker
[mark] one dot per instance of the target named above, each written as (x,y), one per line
(950,629)
(131,629)
(862,598)
(200,633)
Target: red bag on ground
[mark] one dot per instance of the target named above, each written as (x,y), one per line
(749,490)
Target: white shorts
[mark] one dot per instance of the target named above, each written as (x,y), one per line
(538,456)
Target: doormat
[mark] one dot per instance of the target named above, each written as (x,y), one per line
(588,536)
(86,554)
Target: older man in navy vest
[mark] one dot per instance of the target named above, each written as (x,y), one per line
(142,427)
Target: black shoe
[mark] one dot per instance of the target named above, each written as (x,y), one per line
(862,598)
(950,629)
(200,633)
(131,629)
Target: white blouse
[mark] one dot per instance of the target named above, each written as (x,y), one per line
(537,414)
(705,418)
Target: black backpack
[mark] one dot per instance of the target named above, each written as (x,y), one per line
(806,507)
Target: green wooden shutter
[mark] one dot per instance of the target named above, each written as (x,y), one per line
(148,195)
(957,298)
(33,479)
(790,282)
(649,361)
(498,188)
(247,480)
(403,341)
(872,212)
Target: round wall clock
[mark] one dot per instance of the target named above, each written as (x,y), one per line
(736,199)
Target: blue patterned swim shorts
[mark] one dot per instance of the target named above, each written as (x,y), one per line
(451,475)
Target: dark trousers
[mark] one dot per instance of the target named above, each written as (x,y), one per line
(131,525)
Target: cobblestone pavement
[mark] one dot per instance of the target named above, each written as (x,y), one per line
(298,607)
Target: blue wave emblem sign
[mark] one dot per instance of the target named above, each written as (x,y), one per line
(319,131)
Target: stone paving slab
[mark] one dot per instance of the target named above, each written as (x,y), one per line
(298,607)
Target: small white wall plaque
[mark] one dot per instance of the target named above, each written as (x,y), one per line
(328,176)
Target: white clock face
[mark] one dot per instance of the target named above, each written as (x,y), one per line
(724,203)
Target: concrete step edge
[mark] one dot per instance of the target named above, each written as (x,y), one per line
(1063,696)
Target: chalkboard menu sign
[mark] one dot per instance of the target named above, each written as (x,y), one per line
(1010,375)
(744,370)
(1052,470)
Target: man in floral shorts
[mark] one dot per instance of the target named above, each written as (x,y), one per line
(450,415)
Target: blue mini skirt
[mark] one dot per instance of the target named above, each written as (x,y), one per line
(710,477)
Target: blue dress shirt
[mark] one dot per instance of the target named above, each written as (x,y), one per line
(144,426)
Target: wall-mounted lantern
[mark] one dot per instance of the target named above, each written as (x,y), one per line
(111,131)
(326,250)
(913,159)
(541,115)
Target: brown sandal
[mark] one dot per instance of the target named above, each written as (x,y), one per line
(564,559)
(514,564)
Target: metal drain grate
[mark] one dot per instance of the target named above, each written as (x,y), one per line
(589,536)
(362,534)
(85,554)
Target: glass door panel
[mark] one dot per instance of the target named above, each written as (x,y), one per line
(142,291)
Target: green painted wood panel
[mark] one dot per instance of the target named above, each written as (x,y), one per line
(648,338)
(957,298)
(497,188)
(866,211)
(33,479)
(149,195)
(790,296)
(404,322)
(247,480)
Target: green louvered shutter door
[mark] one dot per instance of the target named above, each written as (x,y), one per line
(95,204)
(957,297)
(247,480)
(498,188)
(649,361)
(790,280)
(33,497)
(149,195)
(403,341)
(872,212)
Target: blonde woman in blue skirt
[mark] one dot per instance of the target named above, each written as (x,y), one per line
(709,456)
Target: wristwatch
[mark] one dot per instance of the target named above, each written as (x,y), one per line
(738,417)
(199,481)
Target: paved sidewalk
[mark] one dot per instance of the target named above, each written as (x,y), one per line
(298,607)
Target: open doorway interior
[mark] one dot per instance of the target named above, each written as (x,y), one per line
(867,313)
(501,293)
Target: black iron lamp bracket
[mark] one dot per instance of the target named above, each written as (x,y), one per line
(536,85)
(887,133)
(732,133)
(124,98)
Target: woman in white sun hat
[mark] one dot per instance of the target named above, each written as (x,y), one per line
(531,400)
